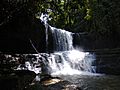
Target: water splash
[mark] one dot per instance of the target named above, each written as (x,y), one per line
(29,66)
(71,62)
(44,18)
(66,60)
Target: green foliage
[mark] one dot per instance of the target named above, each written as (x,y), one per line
(11,9)
(66,14)
(102,16)
(106,18)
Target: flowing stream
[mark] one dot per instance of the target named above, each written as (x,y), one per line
(94,82)
(77,66)
(66,59)
(72,64)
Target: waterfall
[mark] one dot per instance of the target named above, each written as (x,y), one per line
(62,40)
(71,62)
(44,18)
(65,59)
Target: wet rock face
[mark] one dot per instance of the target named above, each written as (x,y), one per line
(107,61)
(32,62)
(11,79)
(91,41)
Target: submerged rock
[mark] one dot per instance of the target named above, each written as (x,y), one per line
(53,83)
(58,84)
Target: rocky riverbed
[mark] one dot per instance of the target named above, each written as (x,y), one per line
(17,74)
(20,72)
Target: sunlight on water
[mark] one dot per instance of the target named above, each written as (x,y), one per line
(71,62)
(76,55)
(67,71)
(65,60)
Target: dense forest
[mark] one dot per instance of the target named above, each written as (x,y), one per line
(99,18)
(102,16)
(82,35)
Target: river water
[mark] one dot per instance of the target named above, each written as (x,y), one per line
(94,82)
(67,59)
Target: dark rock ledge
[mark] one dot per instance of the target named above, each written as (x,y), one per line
(12,79)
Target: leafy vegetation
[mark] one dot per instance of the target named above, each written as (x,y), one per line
(101,16)
(66,14)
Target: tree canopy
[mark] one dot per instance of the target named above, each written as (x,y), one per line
(67,14)
(102,16)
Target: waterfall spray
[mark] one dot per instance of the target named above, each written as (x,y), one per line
(65,59)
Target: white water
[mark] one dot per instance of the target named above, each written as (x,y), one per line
(65,59)
(62,40)
(44,18)
(31,64)
(71,62)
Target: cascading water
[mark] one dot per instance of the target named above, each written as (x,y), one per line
(65,59)
(71,62)
(62,40)
(44,18)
